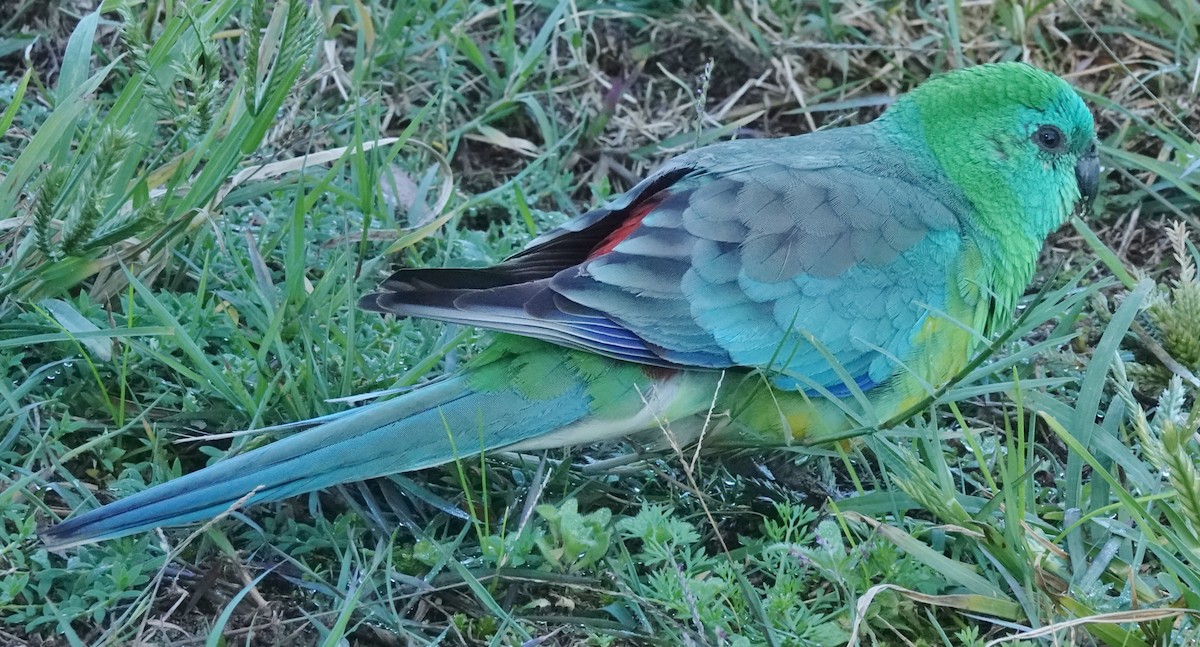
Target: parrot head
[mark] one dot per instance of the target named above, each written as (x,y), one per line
(1019,141)
(1021,146)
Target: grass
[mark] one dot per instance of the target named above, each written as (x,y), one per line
(193,196)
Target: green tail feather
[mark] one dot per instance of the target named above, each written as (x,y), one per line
(514,394)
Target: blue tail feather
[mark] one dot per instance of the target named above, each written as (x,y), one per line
(430,426)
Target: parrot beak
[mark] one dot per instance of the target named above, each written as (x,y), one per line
(1087,174)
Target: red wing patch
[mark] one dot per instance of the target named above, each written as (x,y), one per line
(631,222)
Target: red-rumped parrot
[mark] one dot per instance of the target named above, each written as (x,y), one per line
(743,291)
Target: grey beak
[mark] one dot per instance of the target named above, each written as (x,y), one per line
(1087,174)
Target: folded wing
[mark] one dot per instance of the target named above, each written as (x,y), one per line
(741,254)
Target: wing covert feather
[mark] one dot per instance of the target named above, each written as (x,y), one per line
(743,250)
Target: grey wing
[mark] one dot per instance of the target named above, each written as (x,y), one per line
(744,265)
(733,255)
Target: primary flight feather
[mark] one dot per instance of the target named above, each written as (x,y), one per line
(746,290)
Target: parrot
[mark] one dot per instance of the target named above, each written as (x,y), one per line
(748,293)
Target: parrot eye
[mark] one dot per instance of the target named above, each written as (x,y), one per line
(1049,138)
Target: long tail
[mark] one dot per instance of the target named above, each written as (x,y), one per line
(537,396)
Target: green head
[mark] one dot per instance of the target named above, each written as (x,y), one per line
(1021,145)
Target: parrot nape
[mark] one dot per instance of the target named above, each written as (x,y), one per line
(753,292)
